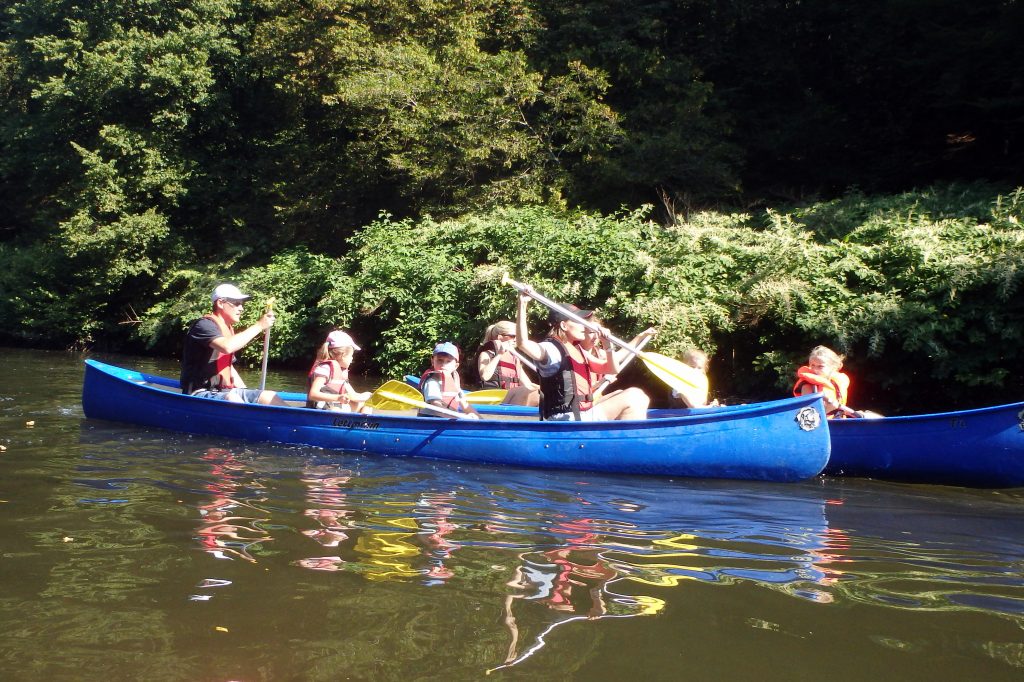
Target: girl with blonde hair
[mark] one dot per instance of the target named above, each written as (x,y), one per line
(821,375)
(329,387)
(500,367)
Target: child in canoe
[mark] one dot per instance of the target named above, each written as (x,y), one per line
(499,367)
(328,383)
(696,395)
(441,384)
(822,375)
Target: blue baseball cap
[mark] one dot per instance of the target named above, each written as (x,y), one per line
(447,348)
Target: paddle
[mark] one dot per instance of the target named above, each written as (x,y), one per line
(397,395)
(266,346)
(859,414)
(672,372)
(695,386)
(525,360)
(487,396)
(607,380)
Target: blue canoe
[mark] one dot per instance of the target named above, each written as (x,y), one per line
(786,440)
(979,448)
(982,447)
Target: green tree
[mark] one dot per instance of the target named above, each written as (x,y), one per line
(112,97)
(674,143)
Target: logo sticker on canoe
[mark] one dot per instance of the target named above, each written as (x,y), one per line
(355,423)
(808,419)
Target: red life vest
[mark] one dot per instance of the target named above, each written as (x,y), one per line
(223,379)
(835,387)
(337,379)
(571,388)
(585,378)
(506,375)
(451,387)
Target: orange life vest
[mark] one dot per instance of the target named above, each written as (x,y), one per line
(223,379)
(835,387)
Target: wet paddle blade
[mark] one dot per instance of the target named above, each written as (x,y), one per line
(396,395)
(488,396)
(680,377)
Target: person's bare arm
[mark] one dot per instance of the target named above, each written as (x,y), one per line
(315,394)
(487,362)
(530,349)
(623,353)
(240,340)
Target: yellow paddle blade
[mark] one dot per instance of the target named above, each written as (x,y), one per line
(680,377)
(396,395)
(488,396)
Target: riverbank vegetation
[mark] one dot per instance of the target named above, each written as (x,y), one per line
(753,180)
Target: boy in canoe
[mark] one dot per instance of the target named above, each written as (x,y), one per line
(569,376)
(441,384)
(208,356)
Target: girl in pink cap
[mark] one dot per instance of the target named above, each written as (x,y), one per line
(329,388)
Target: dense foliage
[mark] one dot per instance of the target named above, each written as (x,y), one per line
(149,149)
(920,291)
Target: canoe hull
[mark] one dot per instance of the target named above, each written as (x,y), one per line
(770,441)
(982,447)
(979,448)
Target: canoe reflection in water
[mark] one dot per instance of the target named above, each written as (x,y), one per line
(642,536)
(577,580)
(225,532)
(372,546)
(486,563)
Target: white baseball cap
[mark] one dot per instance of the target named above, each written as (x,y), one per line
(340,339)
(229,291)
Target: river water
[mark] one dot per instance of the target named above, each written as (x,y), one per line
(138,554)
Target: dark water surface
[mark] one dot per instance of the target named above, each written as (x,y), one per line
(137,554)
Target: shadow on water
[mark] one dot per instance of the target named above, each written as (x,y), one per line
(133,553)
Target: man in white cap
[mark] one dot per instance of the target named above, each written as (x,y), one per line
(208,357)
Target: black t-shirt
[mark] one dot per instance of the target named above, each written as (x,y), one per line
(198,358)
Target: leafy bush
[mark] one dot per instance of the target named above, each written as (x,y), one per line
(922,302)
(920,291)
